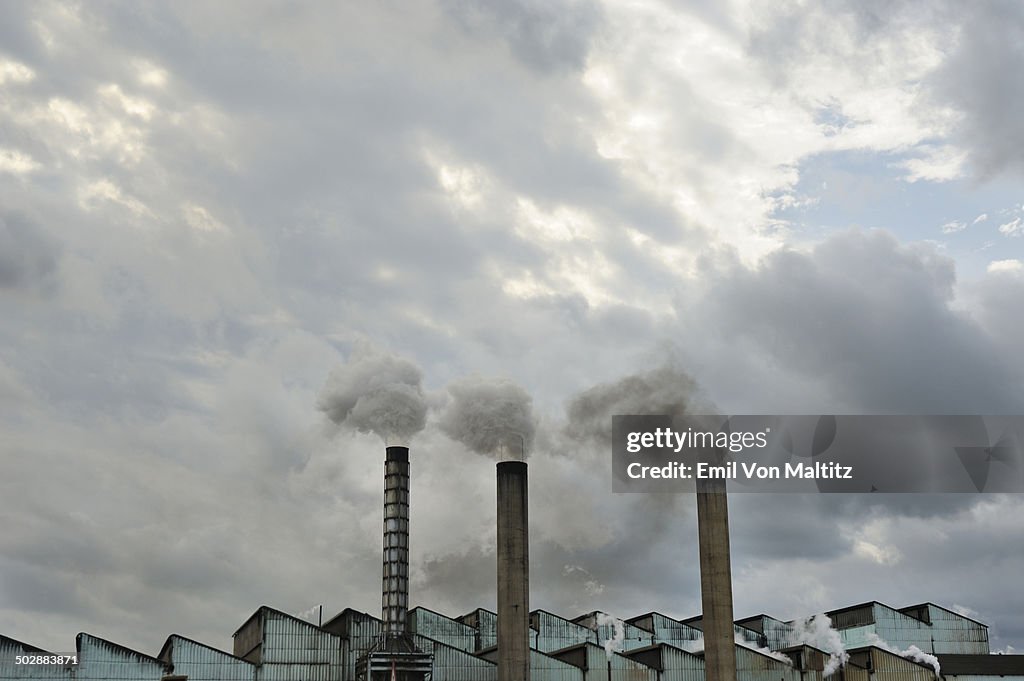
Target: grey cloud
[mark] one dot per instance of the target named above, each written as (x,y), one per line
(28,256)
(979,79)
(544,35)
(872,318)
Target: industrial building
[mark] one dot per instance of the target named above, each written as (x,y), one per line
(272,645)
(866,642)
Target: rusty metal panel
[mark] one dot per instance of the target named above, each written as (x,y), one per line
(437,627)
(202,663)
(102,659)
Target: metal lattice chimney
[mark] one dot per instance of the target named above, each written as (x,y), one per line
(395,591)
(513,572)
(395,656)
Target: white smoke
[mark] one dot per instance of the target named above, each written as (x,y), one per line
(667,390)
(310,615)
(817,631)
(912,653)
(489,415)
(613,644)
(740,641)
(376,392)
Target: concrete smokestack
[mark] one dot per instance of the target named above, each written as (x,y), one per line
(715,580)
(395,593)
(513,573)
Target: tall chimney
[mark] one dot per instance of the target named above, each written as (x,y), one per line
(715,580)
(395,593)
(513,573)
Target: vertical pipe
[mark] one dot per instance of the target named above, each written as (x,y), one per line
(513,573)
(395,592)
(715,580)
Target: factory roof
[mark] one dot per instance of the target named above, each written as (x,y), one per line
(266,608)
(167,645)
(119,648)
(928,604)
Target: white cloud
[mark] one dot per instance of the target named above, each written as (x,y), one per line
(17,163)
(1010,266)
(953,227)
(1014,227)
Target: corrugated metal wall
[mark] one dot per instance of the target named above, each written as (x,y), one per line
(886,666)
(10,649)
(249,636)
(754,666)
(668,630)
(440,628)
(601,667)
(635,637)
(555,633)
(544,667)
(955,634)
(202,663)
(100,659)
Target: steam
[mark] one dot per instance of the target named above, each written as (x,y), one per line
(740,641)
(614,644)
(376,392)
(912,653)
(667,390)
(817,631)
(489,415)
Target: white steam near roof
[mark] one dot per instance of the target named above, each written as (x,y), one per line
(817,631)
(912,653)
(613,644)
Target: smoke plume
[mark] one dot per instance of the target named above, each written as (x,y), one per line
(375,392)
(740,641)
(912,653)
(488,414)
(613,644)
(817,631)
(667,390)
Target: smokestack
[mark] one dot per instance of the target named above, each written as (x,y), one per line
(715,580)
(513,572)
(395,593)
(395,656)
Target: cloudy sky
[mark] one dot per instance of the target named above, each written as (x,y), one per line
(206,208)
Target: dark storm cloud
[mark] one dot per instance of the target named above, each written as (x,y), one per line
(544,35)
(979,80)
(871,317)
(28,256)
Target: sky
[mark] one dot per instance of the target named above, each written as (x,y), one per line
(209,212)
